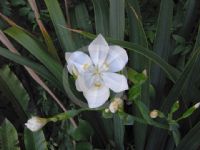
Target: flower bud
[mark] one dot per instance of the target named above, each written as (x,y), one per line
(197,105)
(115,105)
(107,110)
(36,123)
(144,72)
(154,113)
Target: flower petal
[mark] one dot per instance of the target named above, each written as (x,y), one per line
(117,58)
(98,50)
(80,60)
(96,97)
(80,84)
(115,82)
(67,55)
(84,81)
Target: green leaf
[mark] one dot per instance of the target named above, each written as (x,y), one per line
(197,43)
(134,92)
(176,91)
(135,77)
(179,39)
(187,113)
(13,90)
(18,2)
(118,132)
(190,140)
(107,114)
(190,15)
(38,68)
(82,17)
(34,140)
(24,11)
(101,11)
(162,43)
(83,132)
(137,35)
(36,49)
(117,19)
(179,49)
(83,146)
(50,63)
(8,136)
(83,22)
(117,27)
(180,83)
(58,20)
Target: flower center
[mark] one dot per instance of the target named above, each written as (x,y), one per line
(96,71)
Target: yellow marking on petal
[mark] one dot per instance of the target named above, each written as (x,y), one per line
(105,66)
(97,84)
(86,66)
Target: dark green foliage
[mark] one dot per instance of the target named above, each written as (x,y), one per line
(162,39)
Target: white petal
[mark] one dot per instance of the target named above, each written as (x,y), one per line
(80,84)
(67,55)
(84,81)
(80,60)
(117,58)
(96,97)
(98,50)
(115,82)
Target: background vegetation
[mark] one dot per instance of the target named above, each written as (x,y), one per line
(161,36)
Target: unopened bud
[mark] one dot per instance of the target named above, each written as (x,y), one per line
(115,105)
(197,105)
(153,114)
(36,123)
(144,72)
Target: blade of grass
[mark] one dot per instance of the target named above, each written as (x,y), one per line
(175,92)
(41,70)
(190,18)
(162,48)
(137,36)
(14,91)
(117,27)
(53,66)
(9,45)
(58,19)
(51,48)
(162,45)
(117,19)
(35,49)
(82,21)
(101,11)
(82,17)
(188,91)
(190,141)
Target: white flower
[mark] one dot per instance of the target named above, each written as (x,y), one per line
(97,74)
(115,105)
(154,113)
(36,123)
(197,105)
